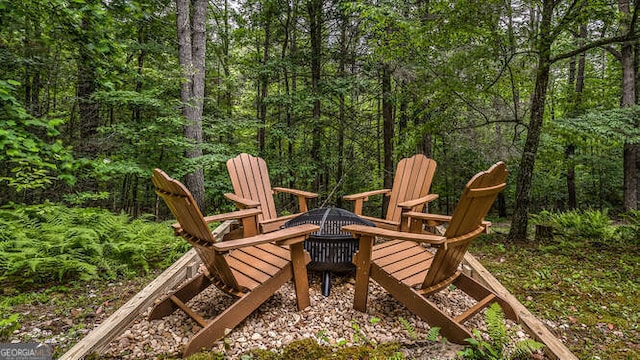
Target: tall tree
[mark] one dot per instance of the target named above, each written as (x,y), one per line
(191,55)
(314,8)
(627,59)
(547,34)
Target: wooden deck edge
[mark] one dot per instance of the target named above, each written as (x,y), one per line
(100,337)
(553,346)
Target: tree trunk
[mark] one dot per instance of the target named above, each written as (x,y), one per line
(191,54)
(629,99)
(520,218)
(578,78)
(86,86)
(387,116)
(264,83)
(315,23)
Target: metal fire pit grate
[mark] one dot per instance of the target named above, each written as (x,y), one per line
(330,248)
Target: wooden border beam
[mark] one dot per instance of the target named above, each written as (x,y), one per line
(554,348)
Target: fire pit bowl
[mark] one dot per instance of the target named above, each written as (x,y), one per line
(330,248)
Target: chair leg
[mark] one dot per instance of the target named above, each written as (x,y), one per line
(184,293)
(420,306)
(363,268)
(480,292)
(300,277)
(237,312)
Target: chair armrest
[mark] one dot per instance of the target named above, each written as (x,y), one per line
(241,202)
(392,234)
(410,204)
(305,194)
(234,215)
(366,194)
(286,236)
(362,197)
(301,195)
(428,217)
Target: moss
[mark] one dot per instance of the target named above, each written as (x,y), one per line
(383,351)
(261,354)
(206,356)
(305,349)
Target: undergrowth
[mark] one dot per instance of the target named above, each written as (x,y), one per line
(49,243)
(497,346)
(584,280)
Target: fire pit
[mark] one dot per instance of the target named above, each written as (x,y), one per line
(331,249)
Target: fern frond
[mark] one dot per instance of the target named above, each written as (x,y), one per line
(525,348)
(495,325)
(407,326)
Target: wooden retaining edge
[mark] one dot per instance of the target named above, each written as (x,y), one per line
(100,337)
(554,348)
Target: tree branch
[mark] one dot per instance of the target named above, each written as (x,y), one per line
(597,43)
(613,52)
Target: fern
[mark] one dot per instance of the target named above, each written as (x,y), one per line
(495,326)
(50,242)
(524,349)
(496,347)
(407,326)
(434,334)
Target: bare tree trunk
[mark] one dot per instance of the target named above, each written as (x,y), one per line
(520,218)
(578,78)
(86,86)
(629,99)
(387,116)
(264,81)
(315,23)
(191,54)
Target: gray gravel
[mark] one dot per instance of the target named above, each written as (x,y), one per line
(277,323)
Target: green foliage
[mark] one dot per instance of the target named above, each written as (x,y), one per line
(588,224)
(8,325)
(30,157)
(49,242)
(612,125)
(408,327)
(629,232)
(496,348)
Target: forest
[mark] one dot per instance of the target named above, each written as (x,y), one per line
(332,94)
(95,94)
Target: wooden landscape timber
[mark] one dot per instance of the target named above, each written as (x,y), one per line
(98,339)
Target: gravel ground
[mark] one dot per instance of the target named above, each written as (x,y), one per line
(277,323)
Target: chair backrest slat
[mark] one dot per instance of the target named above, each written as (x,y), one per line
(412,180)
(466,221)
(194,228)
(250,179)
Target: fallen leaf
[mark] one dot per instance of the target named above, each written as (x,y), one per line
(99,309)
(610,326)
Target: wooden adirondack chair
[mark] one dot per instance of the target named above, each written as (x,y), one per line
(249,268)
(250,179)
(409,272)
(410,191)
